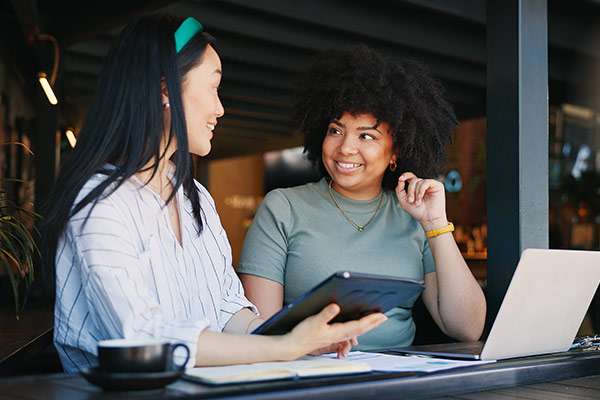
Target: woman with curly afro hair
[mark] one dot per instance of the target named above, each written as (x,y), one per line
(377,130)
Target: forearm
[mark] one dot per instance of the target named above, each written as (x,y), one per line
(461,303)
(266,294)
(452,295)
(216,348)
(234,346)
(315,332)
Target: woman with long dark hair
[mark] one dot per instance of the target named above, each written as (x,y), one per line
(136,244)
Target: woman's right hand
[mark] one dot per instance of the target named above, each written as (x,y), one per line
(341,348)
(316,333)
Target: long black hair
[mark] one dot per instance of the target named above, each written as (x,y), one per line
(124,125)
(404,94)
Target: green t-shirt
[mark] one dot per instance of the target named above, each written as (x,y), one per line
(299,238)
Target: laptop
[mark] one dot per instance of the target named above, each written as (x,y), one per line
(542,310)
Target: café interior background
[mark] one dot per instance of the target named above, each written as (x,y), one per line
(264,44)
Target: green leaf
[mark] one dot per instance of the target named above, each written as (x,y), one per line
(17,245)
(12,249)
(10,238)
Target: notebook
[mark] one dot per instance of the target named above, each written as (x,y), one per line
(542,310)
(269,371)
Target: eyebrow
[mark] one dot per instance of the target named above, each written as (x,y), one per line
(218,71)
(360,128)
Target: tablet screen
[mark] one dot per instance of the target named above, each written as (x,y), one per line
(357,295)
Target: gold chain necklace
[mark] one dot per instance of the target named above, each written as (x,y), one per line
(356,226)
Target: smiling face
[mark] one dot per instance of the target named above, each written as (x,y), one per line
(201,101)
(356,153)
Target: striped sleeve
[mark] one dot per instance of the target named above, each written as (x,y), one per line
(120,303)
(233,298)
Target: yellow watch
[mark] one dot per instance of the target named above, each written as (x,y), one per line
(437,232)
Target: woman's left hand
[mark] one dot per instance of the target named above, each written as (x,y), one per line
(423,199)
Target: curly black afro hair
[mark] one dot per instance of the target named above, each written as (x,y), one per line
(361,81)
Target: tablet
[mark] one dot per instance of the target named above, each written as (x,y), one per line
(357,295)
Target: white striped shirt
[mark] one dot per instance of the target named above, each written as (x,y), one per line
(125,275)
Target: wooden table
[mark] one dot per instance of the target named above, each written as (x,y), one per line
(571,389)
(567,376)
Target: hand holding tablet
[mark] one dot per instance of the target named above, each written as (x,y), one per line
(317,334)
(357,296)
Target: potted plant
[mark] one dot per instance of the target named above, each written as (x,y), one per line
(17,246)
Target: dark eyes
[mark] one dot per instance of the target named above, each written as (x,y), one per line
(367,136)
(363,136)
(333,131)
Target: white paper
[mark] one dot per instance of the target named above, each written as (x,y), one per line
(397,363)
(310,366)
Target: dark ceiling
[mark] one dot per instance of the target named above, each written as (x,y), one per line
(264,43)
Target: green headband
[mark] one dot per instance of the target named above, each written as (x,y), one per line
(187,30)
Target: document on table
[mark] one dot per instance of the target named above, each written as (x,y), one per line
(303,368)
(323,365)
(396,363)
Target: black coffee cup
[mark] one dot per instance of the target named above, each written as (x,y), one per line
(133,355)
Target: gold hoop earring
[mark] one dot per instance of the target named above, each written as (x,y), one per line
(393,165)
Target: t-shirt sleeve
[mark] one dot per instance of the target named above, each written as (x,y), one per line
(428,261)
(233,291)
(265,248)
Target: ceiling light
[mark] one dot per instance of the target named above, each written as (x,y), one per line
(71,137)
(47,88)
(579,112)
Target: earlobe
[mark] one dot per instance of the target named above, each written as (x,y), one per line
(393,165)
(164,100)
(164,94)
